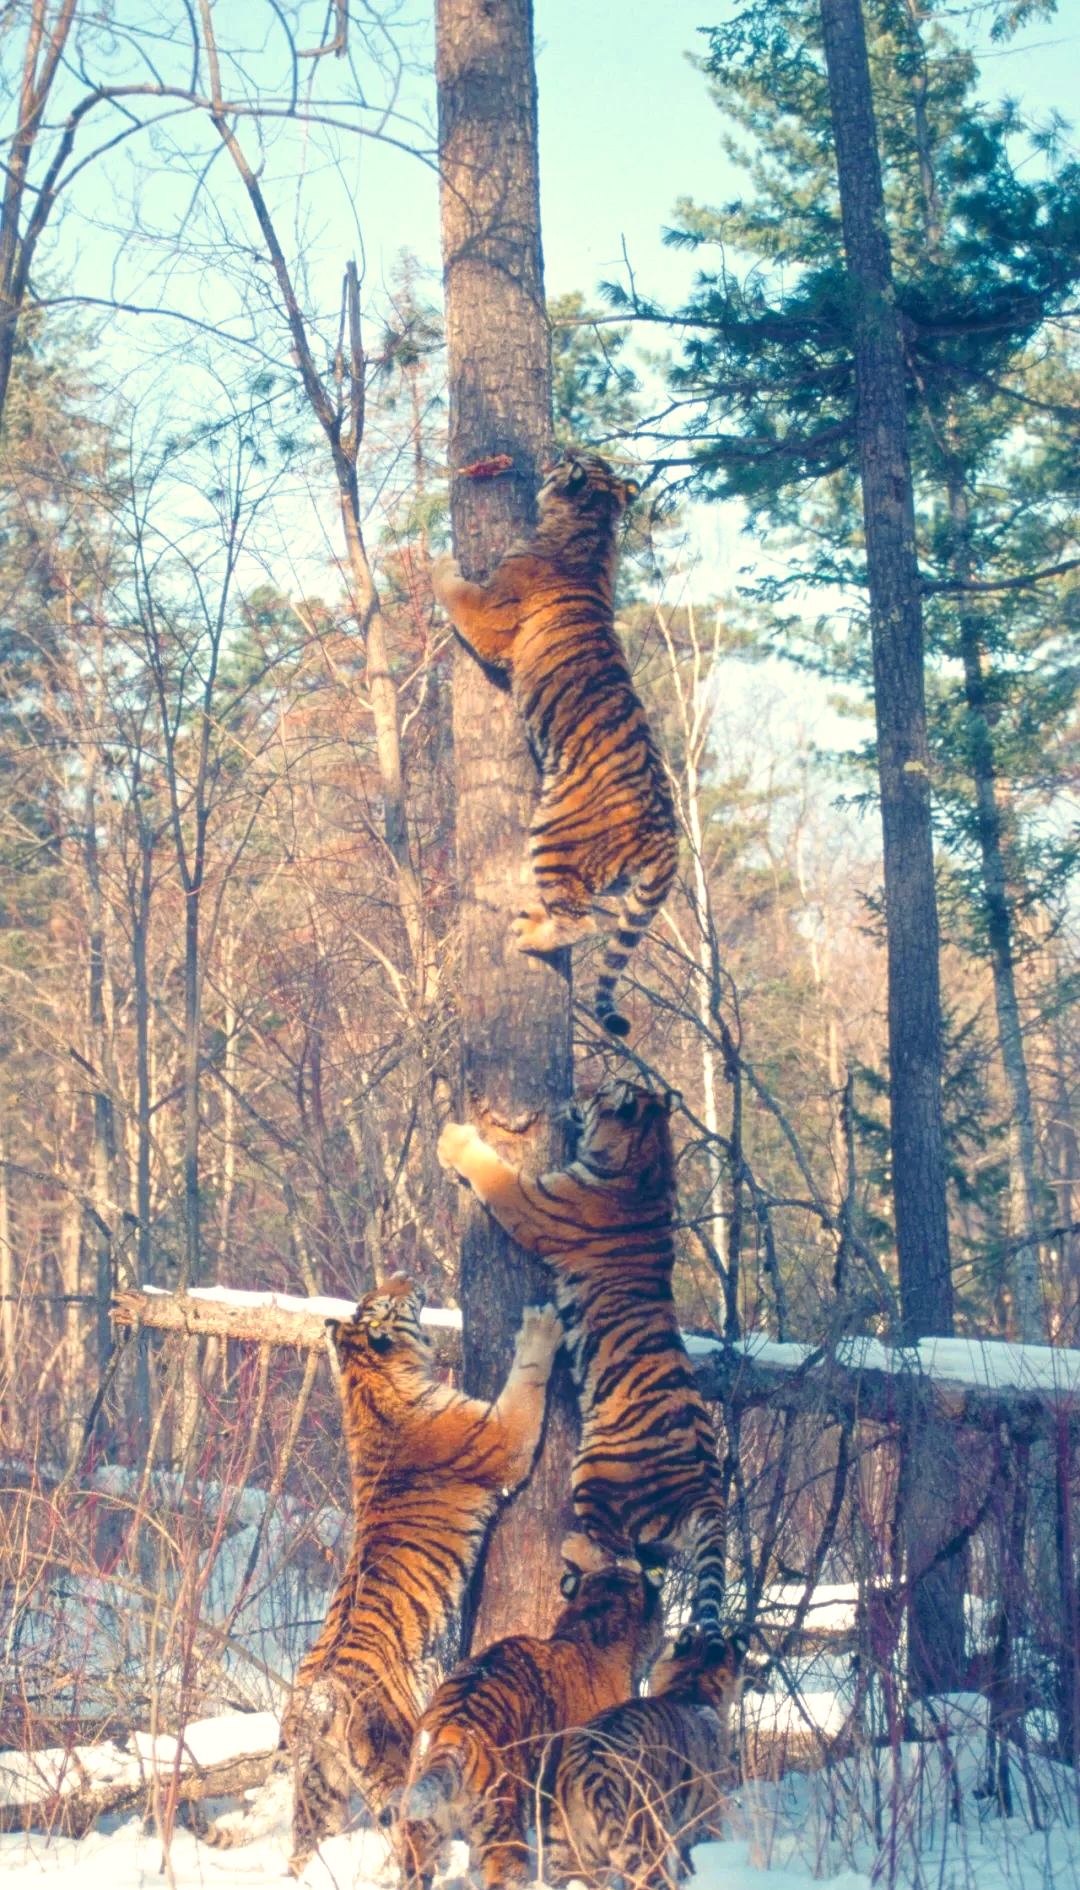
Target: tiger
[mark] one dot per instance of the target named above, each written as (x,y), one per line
(482,1738)
(429,1466)
(647,1477)
(605,822)
(630,1793)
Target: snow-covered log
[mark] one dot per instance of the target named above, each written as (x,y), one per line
(262,1318)
(982,1382)
(67,1791)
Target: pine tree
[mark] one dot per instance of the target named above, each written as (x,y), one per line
(984,256)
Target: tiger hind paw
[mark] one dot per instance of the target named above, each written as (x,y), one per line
(538,930)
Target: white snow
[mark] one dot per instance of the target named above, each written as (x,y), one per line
(832,1605)
(28,1777)
(903,1820)
(211,1741)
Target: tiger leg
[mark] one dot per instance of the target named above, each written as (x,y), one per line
(538,930)
(519,1407)
(418,1847)
(487,624)
(496,1833)
(563,913)
(341,1742)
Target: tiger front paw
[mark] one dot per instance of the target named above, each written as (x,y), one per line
(539,1338)
(445,574)
(456,1144)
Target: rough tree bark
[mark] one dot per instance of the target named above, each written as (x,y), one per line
(915,1036)
(515,1011)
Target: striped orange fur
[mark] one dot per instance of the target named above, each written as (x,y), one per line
(428,1468)
(482,1739)
(632,1791)
(647,1477)
(605,823)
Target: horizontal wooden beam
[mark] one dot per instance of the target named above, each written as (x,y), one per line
(261,1320)
(794,1378)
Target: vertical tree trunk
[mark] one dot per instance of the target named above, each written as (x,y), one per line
(915,1052)
(1024,1267)
(104,1126)
(9,1402)
(139,898)
(1028,1303)
(515,1018)
(936,1640)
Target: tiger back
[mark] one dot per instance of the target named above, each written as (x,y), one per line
(646,1477)
(630,1793)
(481,1740)
(605,822)
(428,1468)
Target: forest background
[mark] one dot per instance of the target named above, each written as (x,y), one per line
(228,942)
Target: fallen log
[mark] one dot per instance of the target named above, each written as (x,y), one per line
(983,1383)
(74,1813)
(261,1318)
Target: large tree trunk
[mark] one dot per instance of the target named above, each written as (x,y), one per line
(915,1055)
(915,1036)
(1024,1267)
(515,1016)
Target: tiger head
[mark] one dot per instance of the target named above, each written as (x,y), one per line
(585,486)
(624,1135)
(700,1669)
(609,1600)
(385,1324)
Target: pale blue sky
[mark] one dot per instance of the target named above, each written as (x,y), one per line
(627,126)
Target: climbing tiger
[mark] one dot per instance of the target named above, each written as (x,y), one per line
(482,1739)
(606,818)
(630,1793)
(428,1468)
(647,1477)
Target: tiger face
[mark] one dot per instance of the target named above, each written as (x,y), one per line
(584,483)
(385,1321)
(625,1132)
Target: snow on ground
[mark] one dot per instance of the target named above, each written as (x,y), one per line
(909,1821)
(26,1777)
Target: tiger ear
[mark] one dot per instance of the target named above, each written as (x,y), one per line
(632,490)
(684,1643)
(578,476)
(671,1099)
(570,1583)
